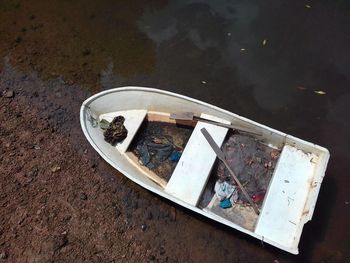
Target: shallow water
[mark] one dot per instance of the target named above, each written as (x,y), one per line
(281,63)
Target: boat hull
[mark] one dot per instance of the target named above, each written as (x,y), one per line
(133,98)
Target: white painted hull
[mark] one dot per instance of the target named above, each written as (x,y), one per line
(134,98)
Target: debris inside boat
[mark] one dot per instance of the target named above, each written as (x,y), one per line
(282,174)
(159,145)
(115,131)
(253,162)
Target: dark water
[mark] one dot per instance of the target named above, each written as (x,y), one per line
(264,60)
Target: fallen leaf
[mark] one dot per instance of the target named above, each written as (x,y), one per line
(320,92)
(264,42)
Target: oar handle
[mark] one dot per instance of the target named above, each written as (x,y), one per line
(229,126)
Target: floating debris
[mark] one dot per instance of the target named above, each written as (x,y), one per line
(204,82)
(308,6)
(320,92)
(242,49)
(264,42)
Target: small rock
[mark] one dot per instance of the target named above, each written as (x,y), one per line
(143,227)
(55,168)
(4,255)
(9,94)
(83,196)
(36,147)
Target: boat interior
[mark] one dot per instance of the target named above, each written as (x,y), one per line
(191,178)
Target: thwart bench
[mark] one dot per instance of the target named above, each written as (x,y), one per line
(193,169)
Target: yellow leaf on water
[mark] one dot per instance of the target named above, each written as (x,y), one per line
(320,92)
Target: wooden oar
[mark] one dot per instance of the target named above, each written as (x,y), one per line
(189,116)
(221,156)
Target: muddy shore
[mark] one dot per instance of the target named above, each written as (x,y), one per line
(60,202)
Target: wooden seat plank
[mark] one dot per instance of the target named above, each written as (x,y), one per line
(193,169)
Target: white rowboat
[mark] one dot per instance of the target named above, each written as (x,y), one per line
(292,193)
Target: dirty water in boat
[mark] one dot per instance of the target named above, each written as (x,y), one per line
(280,63)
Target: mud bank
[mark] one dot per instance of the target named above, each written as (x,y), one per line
(59,201)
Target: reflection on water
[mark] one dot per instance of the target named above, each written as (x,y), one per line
(75,39)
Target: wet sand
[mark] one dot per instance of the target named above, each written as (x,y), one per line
(266,61)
